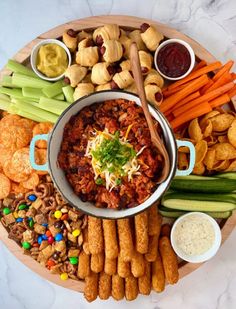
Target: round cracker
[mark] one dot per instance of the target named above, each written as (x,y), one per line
(15,137)
(20,161)
(42,128)
(32,182)
(18,188)
(5,155)
(5,186)
(11,174)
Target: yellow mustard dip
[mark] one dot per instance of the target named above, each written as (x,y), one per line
(52,60)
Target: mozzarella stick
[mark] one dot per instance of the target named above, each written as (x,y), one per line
(137,265)
(144,282)
(154,220)
(158,276)
(85,241)
(151,255)
(125,239)
(95,235)
(123,268)
(110,266)
(170,262)
(84,265)
(104,286)
(131,288)
(110,239)
(97,262)
(141,232)
(118,287)
(91,287)
(165,230)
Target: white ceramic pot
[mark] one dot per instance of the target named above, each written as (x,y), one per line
(58,176)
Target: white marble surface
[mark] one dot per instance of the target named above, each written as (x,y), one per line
(213,24)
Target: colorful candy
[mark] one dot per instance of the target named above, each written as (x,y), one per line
(48,233)
(40,239)
(76,232)
(6,211)
(31,223)
(58,237)
(73,260)
(57,214)
(44,237)
(26,245)
(44,224)
(64,276)
(32,197)
(50,263)
(19,220)
(15,214)
(22,206)
(50,240)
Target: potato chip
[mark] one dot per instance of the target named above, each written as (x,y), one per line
(209,158)
(20,161)
(201,150)
(182,161)
(40,159)
(232,167)
(211,140)
(224,151)
(206,128)
(221,165)
(232,133)
(42,128)
(221,122)
(199,169)
(11,174)
(194,130)
(208,116)
(15,137)
(5,186)
(223,139)
(32,182)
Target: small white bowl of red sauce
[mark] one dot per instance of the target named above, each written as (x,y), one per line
(174,59)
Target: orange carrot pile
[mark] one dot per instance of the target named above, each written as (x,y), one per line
(198,93)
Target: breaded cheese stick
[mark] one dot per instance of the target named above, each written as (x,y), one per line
(118,287)
(123,268)
(95,235)
(137,265)
(91,287)
(104,286)
(85,241)
(131,288)
(151,255)
(110,239)
(141,232)
(165,230)
(154,220)
(97,262)
(110,266)
(83,265)
(144,282)
(169,259)
(158,276)
(125,239)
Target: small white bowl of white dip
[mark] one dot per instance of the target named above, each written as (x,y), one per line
(195,237)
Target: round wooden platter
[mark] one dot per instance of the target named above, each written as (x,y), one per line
(127,22)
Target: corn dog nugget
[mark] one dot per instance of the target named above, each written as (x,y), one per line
(110,266)
(118,287)
(158,275)
(97,262)
(104,286)
(83,265)
(165,230)
(123,268)
(131,288)
(95,235)
(125,239)
(141,232)
(154,220)
(144,282)
(85,241)
(151,255)
(110,239)
(137,265)
(91,287)
(170,262)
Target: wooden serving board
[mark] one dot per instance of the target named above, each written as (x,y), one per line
(127,22)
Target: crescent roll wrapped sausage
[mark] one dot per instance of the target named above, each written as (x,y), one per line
(75,73)
(101,73)
(125,65)
(123,79)
(83,89)
(111,50)
(106,86)
(153,94)
(84,35)
(107,32)
(87,56)
(126,42)
(150,36)
(154,77)
(86,42)
(145,61)
(70,39)
(132,88)
(135,36)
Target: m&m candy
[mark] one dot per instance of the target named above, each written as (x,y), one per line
(32,197)
(57,214)
(26,245)
(19,220)
(50,240)
(44,237)
(64,276)
(6,211)
(22,206)
(76,232)
(58,237)
(73,260)
(40,239)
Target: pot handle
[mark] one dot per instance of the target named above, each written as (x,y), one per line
(34,165)
(191,158)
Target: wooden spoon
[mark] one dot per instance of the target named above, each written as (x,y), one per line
(156,140)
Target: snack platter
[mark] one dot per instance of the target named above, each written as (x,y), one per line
(89,24)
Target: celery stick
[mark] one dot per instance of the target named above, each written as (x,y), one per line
(29,92)
(25,107)
(59,97)
(20,68)
(16,93)
(51,105)
(21,81)
(4,97)
(7,82)
(68,92)
(53,89)
(4,104)
(15,110)
(25,101)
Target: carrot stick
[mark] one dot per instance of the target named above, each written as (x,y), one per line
(195,85)
(225,68)
(232,92)
(223,99)
(199,65)
(233,76)
(206,97)
(170,117)
(187,99)
(224,79)
(211,67)
(197,111)
(168,92)
(208,85)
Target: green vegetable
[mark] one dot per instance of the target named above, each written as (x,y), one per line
(7,81)
(99,181)
(59,97)
(54,89)
(4,97)
(29,92)
(15,93)
(21,81)
(15,110)
(15,66)
(194,177)
(229,175)
(55,106)
(68,92)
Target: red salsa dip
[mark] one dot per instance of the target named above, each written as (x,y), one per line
(108,157)
(173,60)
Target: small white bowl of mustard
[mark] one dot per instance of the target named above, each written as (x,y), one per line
(195,237)
(49,59)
